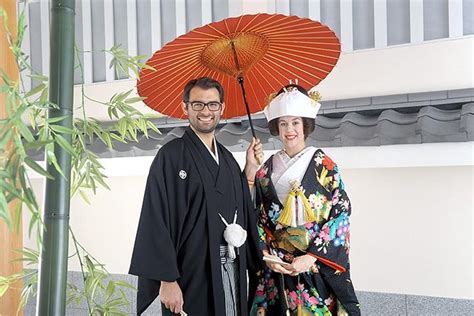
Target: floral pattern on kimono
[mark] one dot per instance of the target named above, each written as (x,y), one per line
(327,239)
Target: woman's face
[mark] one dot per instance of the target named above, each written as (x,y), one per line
(290,130)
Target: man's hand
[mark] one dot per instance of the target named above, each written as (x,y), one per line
(171,296)
(254,158)
(302,264)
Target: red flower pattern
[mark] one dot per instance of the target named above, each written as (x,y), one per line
(328,163)
(261,173)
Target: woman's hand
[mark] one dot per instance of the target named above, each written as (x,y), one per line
(254,158)
(302,264)
(275,267)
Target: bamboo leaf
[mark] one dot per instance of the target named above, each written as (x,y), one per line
(10,188)
(100,179)
(36,167)
(18,216)
(146,66)
(35,90)
(31,197)
(61,129)
(134,100)
(133,132)
(38,77)
(32,223)
(115,302)
(44,97)
(84,197)
(56,119)
(125,284)
(118,138)
(3,288)
(25,131)
(64,144)
(153,126)
(108,140)
(5,212)
(122,96)
(6,138)
(37,144)
(110,289)
(52,159)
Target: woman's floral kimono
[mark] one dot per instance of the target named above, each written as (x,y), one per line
(329,290)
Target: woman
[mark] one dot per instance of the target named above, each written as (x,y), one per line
(303,219)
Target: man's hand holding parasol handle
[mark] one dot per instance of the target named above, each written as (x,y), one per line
(254,159)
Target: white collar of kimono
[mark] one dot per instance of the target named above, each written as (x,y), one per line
(213,155)
(286,169)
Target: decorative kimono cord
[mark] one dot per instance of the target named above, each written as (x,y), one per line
(234,234)
(295,196)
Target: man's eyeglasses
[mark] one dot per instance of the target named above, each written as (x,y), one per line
(199,106)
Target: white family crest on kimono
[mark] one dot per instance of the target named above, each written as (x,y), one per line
(234,234)
(287,176)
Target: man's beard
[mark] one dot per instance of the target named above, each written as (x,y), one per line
(202,128)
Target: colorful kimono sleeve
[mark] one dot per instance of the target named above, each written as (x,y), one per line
(331,244)
(261,218)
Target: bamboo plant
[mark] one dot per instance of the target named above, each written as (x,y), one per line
(39,132)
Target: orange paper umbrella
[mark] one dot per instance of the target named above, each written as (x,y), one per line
(266,50)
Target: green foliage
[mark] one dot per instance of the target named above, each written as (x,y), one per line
(103,295)
(30,127)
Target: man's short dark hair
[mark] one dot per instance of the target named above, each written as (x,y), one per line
(204,83)
(308,123)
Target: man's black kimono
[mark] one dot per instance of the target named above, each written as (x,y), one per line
(180,232)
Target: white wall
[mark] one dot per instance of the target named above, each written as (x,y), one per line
(412,230)
(430,66)
(438,65)
(411,225)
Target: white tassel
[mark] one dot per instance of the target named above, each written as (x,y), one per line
(234,234)
(232,252)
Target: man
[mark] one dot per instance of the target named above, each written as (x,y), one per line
(180,251)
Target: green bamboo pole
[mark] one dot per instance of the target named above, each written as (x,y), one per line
(54,253)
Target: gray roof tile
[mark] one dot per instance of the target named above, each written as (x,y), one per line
(438,114)
(389,129)
(324,134)
(349,129)
(376,124)
(359,119)
(467,108)
(390,99)
(327,122)
(397,117)
(328,105)
(461,93)
(451,101)
(467,120)
(430,128)
(433,138)
(352,102)
(423,96)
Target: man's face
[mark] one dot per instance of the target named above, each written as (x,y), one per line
(204,121)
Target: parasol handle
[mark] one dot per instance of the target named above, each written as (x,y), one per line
(241,82)
(240,79)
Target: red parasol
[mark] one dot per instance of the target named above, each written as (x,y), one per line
(267,50)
